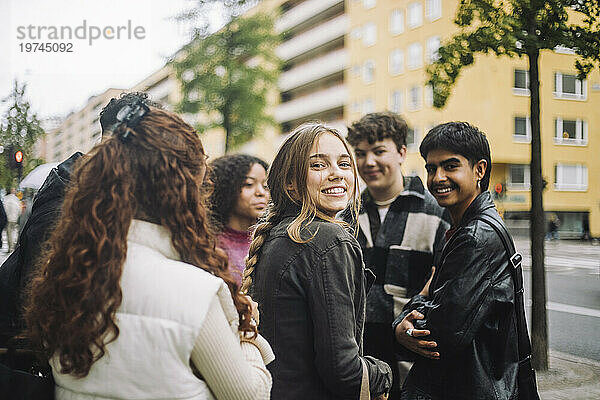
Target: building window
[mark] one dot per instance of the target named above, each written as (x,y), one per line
(368,106)
(411,138)
(518,177)
(356,33)
(369,71)
(521,85)
(369,3)
(571,131)
(433,44)
(396,101)
(396,22)
(396,62)
(369,34)
(356,70)
(433,9)
(570,177)
(414,98)
(429,95)
(415,15)
(415,56)
(569,87)
(522,132)
(355,106)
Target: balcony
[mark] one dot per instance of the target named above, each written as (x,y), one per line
(318,36)
(302,13)
(317,68)
(313,103)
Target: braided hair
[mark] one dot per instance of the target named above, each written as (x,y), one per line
(290,170)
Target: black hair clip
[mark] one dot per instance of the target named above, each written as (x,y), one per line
(130,115)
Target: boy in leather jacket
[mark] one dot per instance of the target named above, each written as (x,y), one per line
(462,325)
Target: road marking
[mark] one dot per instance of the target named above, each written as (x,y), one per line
(566,262)
(567,308)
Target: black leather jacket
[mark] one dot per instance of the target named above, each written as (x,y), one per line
(311,299)
(471,315)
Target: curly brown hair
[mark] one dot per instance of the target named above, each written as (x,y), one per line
(155,175)
(378,126)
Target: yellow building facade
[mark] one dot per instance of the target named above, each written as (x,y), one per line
(390,43)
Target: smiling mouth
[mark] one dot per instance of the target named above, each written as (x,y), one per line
(443,190)
(335,190)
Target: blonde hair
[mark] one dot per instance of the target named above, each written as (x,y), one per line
(290,170)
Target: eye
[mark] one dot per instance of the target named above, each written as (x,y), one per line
(345,164)
(379,152)
(450,167)
(430,169)
(317,164)
(359,154)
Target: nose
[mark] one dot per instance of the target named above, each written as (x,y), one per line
(370,158)
(335,173)
(261,191)
(439,175)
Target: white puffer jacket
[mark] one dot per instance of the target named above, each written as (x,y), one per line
(164,304)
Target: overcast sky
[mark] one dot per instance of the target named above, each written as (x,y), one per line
(62,82)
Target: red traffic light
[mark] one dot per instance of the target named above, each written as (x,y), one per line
(498,188)
(19,156)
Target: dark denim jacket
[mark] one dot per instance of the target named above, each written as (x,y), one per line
(471,315)
(311,298)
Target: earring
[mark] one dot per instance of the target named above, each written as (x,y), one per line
(479,183)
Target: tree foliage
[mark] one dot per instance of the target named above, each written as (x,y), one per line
(19,128)
(226,77)
(517,28)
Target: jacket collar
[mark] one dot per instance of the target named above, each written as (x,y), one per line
(481,203)
(154,236)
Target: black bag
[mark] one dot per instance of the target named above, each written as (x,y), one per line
(24,375)
(526,382)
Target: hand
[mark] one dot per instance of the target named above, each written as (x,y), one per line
(414,343)
(255,312)
(425,291)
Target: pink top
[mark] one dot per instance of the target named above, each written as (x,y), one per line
(236,245)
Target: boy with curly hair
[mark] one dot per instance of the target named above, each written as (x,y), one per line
(401,226)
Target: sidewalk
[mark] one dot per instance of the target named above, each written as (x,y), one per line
(569,377)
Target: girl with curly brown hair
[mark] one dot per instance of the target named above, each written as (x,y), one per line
(133,299)
(305,269)
(238,200)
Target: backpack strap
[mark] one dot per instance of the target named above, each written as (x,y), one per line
(515,260)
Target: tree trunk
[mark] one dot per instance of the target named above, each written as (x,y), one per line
(539,325)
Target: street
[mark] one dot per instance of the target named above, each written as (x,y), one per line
(573,287)
(573,295)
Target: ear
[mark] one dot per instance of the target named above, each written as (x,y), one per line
(480,167)
(402,153)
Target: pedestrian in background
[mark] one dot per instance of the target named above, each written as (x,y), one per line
(239,198)
(401,227)
(305,270)
(132,299)
(13,208)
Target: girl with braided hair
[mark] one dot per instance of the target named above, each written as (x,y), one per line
(239,198)
(132,299)
(305,270)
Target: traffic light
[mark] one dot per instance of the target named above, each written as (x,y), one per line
(19,162)
(499,190)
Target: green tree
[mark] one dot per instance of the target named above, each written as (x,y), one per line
(20,129)
(522,28)
(226,77)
